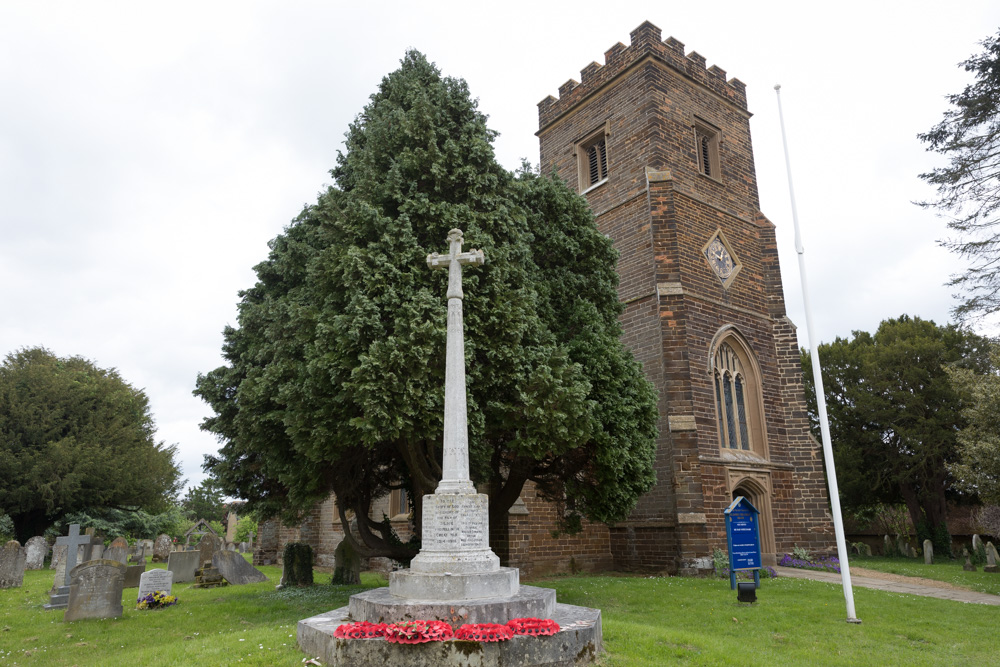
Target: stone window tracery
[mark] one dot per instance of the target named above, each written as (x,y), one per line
(737,400)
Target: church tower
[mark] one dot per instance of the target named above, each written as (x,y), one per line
(660,147)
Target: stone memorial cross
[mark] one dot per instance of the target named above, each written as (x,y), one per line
(455,466)
(71,542)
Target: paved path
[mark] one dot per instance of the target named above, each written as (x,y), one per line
(893,586)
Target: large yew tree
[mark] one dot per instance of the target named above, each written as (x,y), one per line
(76,437)
(334,377)
(895,415)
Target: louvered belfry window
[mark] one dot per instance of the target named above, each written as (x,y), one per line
(731,399)
(707,149)
(597,161)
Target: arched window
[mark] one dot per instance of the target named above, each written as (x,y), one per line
(737,401)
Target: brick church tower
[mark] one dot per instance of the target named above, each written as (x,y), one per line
(660,147)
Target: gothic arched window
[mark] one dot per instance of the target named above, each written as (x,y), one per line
(736,401)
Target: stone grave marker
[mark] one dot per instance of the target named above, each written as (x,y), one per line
(96,590)
(977,543)
(902,548)
(12,562)
(928,552)
(968,567)
(132,574)
(155,580)
(118,550)
(207,547)
(886,546)
(139,555)
(161,548)
(991,558)
(37,548)
(865,549)
(184,565)
(235,569)
(242,547)
(77,548)
(97,552)
(58,554)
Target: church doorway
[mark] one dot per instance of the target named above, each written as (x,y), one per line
(759,497)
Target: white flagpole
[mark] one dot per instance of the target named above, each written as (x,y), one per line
(824,424)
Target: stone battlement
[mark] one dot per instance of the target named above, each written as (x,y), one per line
(646,41)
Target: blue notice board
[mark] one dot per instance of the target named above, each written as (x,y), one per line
(743,538)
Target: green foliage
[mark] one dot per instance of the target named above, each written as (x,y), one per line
(6,528)
(205,501)
(887,519)
(968,188)
(245,526)
(298,563)
(978,469)
(130,524)
(801,553)
(75,436)
(334,379)
(720,562)
(895,414)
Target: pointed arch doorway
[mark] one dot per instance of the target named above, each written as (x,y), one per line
(757,491)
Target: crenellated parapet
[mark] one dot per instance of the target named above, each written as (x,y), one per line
(645,42)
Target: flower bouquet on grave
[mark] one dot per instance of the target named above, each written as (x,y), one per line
(360,630)
(156,600)
(418,632)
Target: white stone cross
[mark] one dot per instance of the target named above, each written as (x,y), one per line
(455,459)
(72,541)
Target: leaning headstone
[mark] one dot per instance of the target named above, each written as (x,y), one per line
(96,590)
(235,569)
(12,562)
(991,558)
(155,580)
(968,567)
(977,543)
(865,549)
(886,546)
(928,552)
(184,565)
(132,574)
(37,548)
(118,550)
(207,547)
(161,548)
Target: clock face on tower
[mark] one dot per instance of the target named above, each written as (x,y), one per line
(721,259)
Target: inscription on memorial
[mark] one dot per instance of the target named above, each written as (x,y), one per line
(455,523)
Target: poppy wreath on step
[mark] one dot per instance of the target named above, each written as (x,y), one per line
(360,630)
(418,632)
(536,627)
(484,632)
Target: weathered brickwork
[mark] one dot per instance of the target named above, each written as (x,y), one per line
(662,211)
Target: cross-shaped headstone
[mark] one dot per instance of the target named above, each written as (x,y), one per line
(72,541)
(455,464)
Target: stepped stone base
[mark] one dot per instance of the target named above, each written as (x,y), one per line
(502,582)
(59,599)
(380,606)
(578,642)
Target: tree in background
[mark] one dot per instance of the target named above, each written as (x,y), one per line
(205,501)
(335,377)
(895,415)
(978,469)
(968,188)
(73,437)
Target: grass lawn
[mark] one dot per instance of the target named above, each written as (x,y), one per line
(943,570)
(647,621)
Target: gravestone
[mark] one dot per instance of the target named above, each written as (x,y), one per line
(235,569)
(242,547)
(865,549)
(77,549)
(977,543)
(97,552)
(37,548)
(132,574)
(968,567)
(230,547)
(928,552)
(902,548)
(12,562)
(117,550)
(161,548)
(139,555)
(155,580)
(96,590)
(991,558)
(911,550)
(184,565)
(207,547)
(886,546)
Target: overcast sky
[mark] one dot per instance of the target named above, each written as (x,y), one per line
(149,151)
